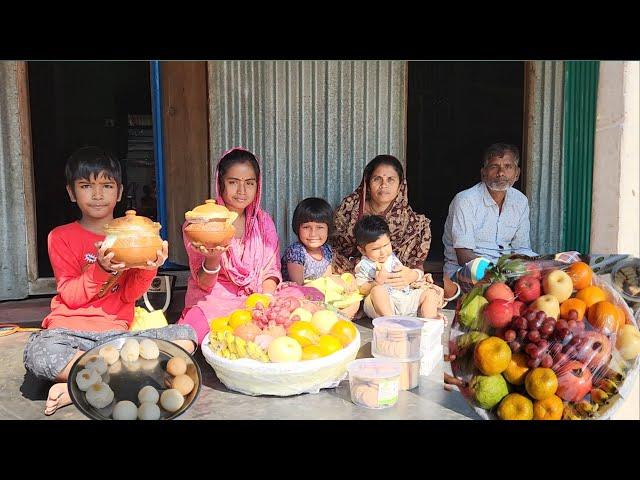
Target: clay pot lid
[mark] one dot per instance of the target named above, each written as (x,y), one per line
(132,223)
(209,211)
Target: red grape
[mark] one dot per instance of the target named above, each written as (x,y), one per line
(510,335)
(522,333)
(530,315)
(515,346)
(541,315)
(546,329)
(546,361)
(573,315)
(518,323)
(562,323)
(531,349)
(572,324)
(533,363)
(542,344)
(533,335)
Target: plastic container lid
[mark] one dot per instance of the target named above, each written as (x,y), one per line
(401,324)
(399,360)
(374,368)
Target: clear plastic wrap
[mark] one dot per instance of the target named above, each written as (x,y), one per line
(544,339)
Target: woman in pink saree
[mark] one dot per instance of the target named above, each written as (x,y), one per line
(221,279)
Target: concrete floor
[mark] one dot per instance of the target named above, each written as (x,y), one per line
(22,396)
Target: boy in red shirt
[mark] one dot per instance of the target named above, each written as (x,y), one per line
(96,297)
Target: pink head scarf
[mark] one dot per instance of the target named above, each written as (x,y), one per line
(255,257)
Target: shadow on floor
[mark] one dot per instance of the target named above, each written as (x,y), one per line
(33,388)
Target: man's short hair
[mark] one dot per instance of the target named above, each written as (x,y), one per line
(369,229)
(92,160)
(499,150)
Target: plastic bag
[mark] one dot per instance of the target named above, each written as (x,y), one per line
(144,320)
(523,318)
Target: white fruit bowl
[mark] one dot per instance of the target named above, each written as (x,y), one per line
(252,377)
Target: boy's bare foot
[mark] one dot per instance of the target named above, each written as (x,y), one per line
(58,398)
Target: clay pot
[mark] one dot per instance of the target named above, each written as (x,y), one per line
(133,239)
(210,224)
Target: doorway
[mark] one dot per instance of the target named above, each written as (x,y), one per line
(73,104)
(454,111)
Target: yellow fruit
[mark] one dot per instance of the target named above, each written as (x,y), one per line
(541,383)
(311,352)
(304,333)
(550,408)
(344,331)
(218,324)
(239,317)
(517,369)
(515,407)
(329,344)
(324,320)
(257,297)
(304,314)
(492,356)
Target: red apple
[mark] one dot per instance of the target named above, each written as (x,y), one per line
(498,313)
(519,308)
(534,270)
(498,291)
(574,381)
(594,350)
(527,288)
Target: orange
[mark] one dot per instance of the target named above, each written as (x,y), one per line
(591,295)
(218,324)
(573,304)
(515,407)
(329,344)
(580,274)
(311,352)
(492,356)
(344,331)
(541,383)
(517,369)
(550,408)
(304,333)
(255,298)
(239,317)
(606,317)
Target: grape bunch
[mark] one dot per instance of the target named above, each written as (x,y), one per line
(548,342)
(277,313)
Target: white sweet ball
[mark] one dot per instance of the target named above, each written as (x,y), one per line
(148,394)
(148,411)
(99,395)
(149,349)
(110,354)
(125,410)
(96,363)
(171,400)
(130,351)
(86,378)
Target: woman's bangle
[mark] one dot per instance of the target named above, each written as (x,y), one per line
(456,295)
(420,274)
(210,272)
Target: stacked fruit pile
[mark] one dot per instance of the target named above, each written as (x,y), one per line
(543,343)
(279,329)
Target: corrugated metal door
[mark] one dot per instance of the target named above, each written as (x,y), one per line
(314,124)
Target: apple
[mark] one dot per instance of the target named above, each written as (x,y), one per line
(498,313)
(593,350)
(323,320)
(518,307)
(534,269)
(498,291)
(574,381)
(527,288)
(628,342)
(559,284)
(284,349)
(302,313)
(548,304)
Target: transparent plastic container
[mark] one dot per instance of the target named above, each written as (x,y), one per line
(374,382)
(409,371)
(397,337)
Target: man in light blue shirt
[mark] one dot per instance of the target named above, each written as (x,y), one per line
(491,218)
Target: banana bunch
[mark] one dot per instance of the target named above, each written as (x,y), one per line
(571,413)
(232,347)
(586,409)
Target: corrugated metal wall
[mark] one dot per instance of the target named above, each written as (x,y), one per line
(544,186)
(581,92)
(13,237)
(314,124)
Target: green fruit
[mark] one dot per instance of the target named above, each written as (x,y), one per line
(488,391)
(468,339)
(470,316)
